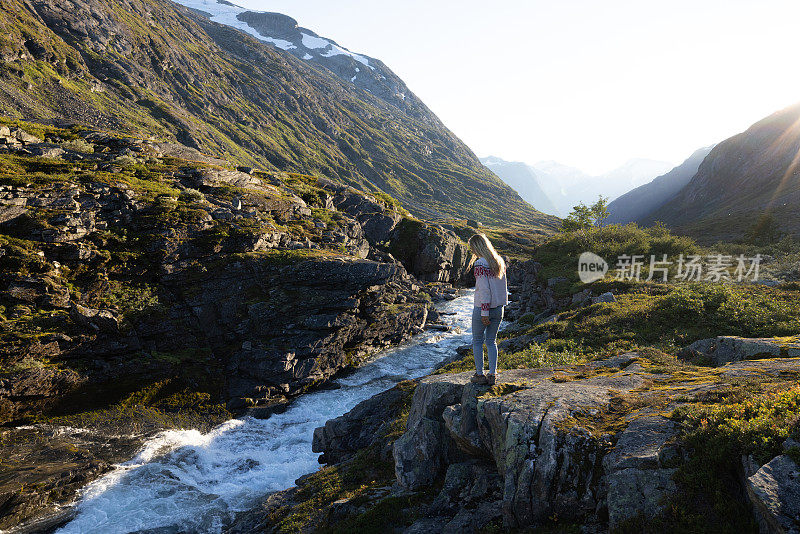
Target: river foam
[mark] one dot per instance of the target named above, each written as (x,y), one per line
(188,481)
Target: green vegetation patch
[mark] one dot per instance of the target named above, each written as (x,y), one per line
(669,317)
(752,418)
(168,403)
(551,352)
(559,255)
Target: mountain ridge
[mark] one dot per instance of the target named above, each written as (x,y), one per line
(743,177)
(637,203)
(285,33)
(156,68)
(524,180)
(566,186)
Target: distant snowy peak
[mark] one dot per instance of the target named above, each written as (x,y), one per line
(494,161)
(283,32)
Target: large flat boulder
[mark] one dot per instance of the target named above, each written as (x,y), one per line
(636,469)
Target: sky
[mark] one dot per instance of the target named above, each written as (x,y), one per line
(587,83)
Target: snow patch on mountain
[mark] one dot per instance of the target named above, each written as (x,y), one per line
(284,33)
(314,42)
(223,13)
(280,43)
(229,14)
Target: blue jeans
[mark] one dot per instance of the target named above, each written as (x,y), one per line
(481,333)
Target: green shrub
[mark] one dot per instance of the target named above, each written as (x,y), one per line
(717,436)
(191,195)
(757,425)
(695,301)
(78,145)
(126,161)
(559,255)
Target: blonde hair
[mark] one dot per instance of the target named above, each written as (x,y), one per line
(480,246)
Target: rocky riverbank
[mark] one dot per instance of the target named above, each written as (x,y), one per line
(604,446)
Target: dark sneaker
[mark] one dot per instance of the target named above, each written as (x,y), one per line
(491,380)
(478,379)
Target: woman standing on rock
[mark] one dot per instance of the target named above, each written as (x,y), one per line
(491,294)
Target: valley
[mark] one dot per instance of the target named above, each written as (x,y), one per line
(235,297)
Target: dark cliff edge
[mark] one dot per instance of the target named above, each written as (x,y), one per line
(145,285)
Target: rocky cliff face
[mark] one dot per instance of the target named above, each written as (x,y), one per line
(149,285)
(121,261)
(549,465)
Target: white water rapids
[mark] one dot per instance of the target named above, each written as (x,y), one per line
(186,481)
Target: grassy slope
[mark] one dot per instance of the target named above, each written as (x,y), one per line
(215,88)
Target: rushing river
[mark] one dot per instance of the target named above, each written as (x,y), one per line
(187,481)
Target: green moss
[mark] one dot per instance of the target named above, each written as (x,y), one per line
(717,435)
(27,324)
(143,182)
(191,195)
(21,171)
(78,145)
(133,300)
(182,356)
(43,131)
(331,218)
(384,516)
(22,256)
(159,405)
(499,390)
(390,201)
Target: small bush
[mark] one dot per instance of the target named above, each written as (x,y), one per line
(191,195)
(312,198)
(126,161)
(78,145)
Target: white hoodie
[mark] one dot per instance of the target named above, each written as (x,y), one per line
(490,291)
